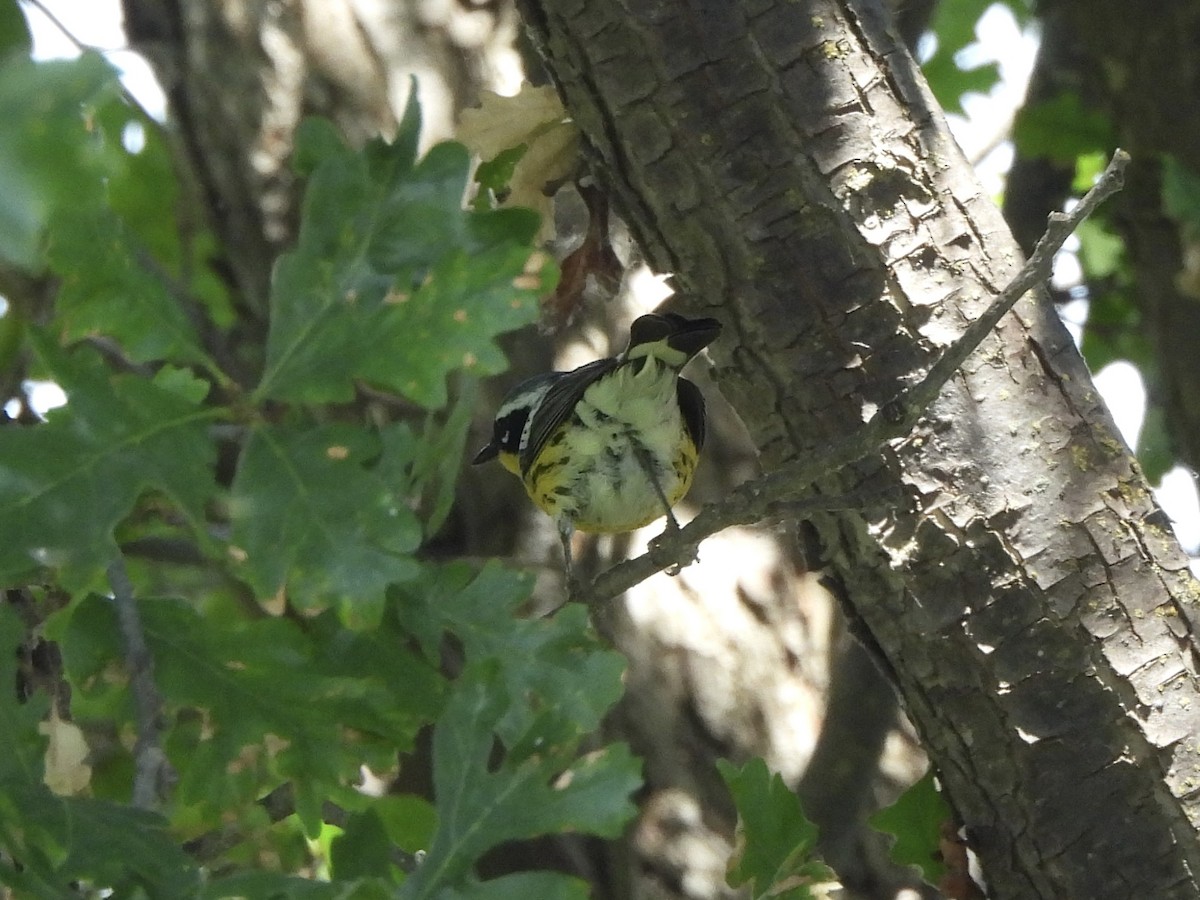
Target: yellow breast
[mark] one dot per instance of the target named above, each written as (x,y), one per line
(595,470)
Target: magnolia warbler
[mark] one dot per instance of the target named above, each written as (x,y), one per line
(610,446)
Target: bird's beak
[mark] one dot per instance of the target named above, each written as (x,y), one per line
(488,453)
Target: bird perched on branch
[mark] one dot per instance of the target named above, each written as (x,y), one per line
(610,446)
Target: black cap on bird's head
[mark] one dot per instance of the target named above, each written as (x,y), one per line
(670,337)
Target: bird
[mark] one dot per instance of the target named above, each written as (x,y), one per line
(612,445)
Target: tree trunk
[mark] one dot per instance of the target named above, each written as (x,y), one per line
(1007,564)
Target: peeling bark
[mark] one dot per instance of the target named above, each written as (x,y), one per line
(786,162)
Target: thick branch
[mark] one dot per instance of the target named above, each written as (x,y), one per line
(788,164)
(756,500)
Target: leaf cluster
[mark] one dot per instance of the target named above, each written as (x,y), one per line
(272,523)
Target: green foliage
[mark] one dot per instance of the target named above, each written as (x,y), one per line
(308,689)
(48,158)
(776,842)
(494,175)
(107,290)
(61,839)
(14,30)
(915,821)
(392,281)
(536,789)
(296,630)
(953,27)
(321,511)
(70,481)
(1181,194)
(1062,128)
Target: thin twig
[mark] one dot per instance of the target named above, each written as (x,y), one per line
(781,489)
(152,771)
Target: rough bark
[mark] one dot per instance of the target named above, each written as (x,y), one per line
(786,162)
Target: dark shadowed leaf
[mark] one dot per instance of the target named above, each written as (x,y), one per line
(481,803)
(1181,194)
(69,481)
(391,281)
(14,30)
(1062,128)
(564,667)
(775,856)
(915,821)
(280,702)
(49,159)
(323,513)
(54,840)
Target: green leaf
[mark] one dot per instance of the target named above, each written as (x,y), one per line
(562,665)
(1062,128)
(915,820)
(481,802)
(439,456)
(954,26)
(1181,193)
(160,228)
(1101,253)
(776,843)
(183,383)
(134,264)
(57,840)
(21,745)
(391,280)
(950,82)
(49,159)
(323,514)
(278,703)
(408,819)
(277,886)
(106,289)
(75,838)
(70,481)
(361,851)
(494,174)
(14,30)
(1113,332)
(1088,169)
(317,141)
(523,886)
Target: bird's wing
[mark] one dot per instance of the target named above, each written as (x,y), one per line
(691,404)
(558,405)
